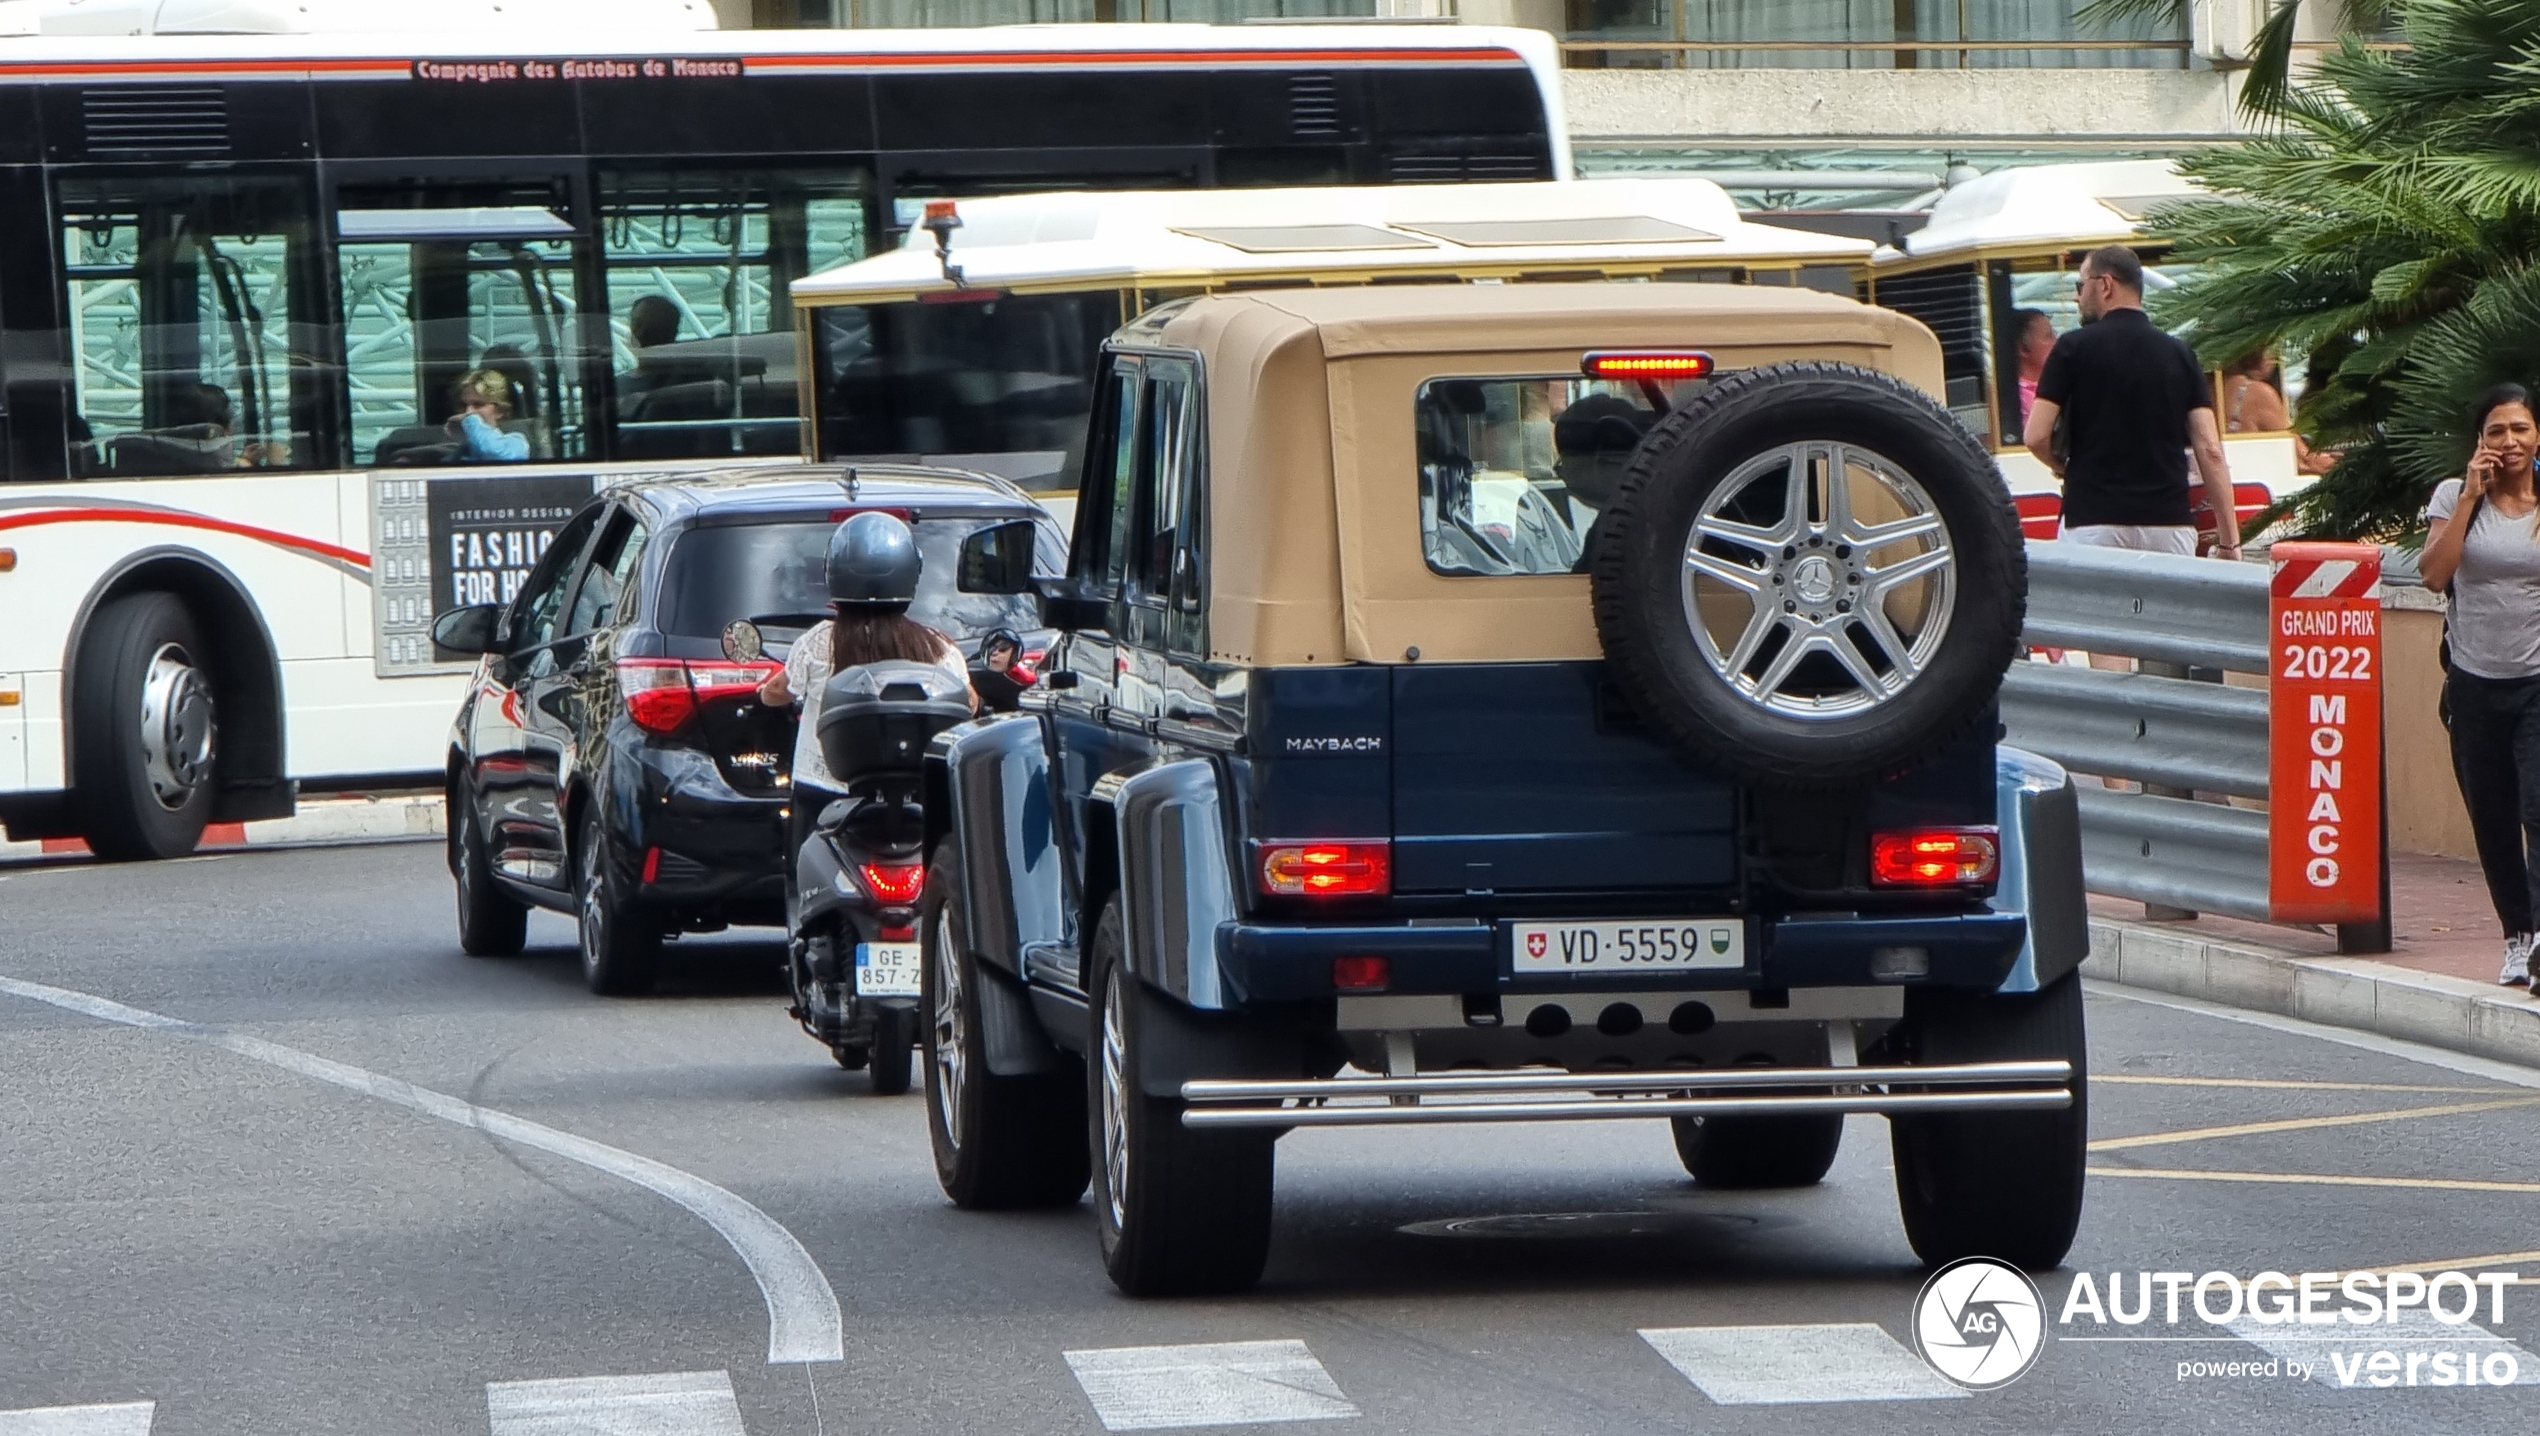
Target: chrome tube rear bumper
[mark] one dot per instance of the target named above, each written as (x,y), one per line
(1587,1096)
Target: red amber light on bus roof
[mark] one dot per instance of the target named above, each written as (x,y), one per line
(1935,857)
(1356,869)
(1667,365)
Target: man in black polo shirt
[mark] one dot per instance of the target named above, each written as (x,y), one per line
(2133,402)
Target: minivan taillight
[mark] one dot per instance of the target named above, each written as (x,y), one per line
(1354,868)
(1935,857)
(662,694)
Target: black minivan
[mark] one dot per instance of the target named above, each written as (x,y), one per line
(611,761)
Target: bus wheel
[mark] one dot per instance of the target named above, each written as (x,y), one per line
(148,745)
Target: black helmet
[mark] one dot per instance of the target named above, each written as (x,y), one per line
(873,561)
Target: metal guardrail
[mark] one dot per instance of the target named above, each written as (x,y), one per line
(2157,728)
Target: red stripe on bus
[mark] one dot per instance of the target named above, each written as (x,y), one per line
(1131,57)
(182,521)
(180,69)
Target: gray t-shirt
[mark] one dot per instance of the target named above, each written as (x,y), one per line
(2495,625)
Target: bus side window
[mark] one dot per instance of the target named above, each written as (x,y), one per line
(701,322)
(183,302)
(442,281)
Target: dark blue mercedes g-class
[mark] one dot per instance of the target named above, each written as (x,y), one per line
(1510,704)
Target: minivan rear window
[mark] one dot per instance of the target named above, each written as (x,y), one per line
(760,571)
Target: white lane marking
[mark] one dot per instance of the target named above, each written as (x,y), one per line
(2467,1066)
(1235,1383)
(802,1310)
(122,1418)
(677,1403)
(2338,1354)
(1779,1365)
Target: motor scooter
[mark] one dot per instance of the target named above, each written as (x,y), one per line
(852,906)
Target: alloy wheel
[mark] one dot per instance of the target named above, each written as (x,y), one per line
(1819,579)
(1115,1103)
(952,1029)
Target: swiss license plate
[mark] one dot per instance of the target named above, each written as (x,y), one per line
(1644,945)
(886,969)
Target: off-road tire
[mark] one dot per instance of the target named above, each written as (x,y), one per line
(2006,1185)
(1000,1142)
(1638,559)
(620,941)
(124,815)
(894,1042)
(492,923)
(1758,1153)
(1179,1212)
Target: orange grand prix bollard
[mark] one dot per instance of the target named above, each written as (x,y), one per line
(2324,791)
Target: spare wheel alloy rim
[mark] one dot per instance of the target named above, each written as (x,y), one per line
(178,727)
(1819,580)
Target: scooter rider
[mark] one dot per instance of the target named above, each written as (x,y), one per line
(873,570)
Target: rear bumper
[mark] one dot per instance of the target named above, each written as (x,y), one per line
(1264,963)
(715,844)
(2039,1086)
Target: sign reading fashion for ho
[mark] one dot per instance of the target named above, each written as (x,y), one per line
(2324,733)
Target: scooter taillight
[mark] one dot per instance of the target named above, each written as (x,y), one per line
(893,882)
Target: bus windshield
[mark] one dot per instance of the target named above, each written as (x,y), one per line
(1000,381)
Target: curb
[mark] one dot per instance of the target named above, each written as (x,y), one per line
(2359,993)
(357,819)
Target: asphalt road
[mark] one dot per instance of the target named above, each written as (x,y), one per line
(366,1185)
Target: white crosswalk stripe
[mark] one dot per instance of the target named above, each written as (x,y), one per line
(1239,1383)
(122,1418)
(2340,1354)
(677,1403)
(1774,1365)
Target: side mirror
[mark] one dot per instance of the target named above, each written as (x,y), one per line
(468,630)
(742,642)
(1067,605)
(997,559)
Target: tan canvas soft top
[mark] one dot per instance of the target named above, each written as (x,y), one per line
(1314,531)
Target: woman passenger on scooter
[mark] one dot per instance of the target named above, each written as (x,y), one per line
(873,569)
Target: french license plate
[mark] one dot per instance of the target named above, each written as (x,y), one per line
(886,969)
(1646,945)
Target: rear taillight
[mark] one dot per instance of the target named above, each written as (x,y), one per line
(656,690)
(1326,869)
(893,882)
(662,694)
(1935,857)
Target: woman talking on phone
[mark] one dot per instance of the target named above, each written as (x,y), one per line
(2483,545)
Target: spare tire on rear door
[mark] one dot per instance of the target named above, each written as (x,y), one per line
(1811,576)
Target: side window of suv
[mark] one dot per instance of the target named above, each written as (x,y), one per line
(621,544)
(541,600)
(1106,499)
(1168,535)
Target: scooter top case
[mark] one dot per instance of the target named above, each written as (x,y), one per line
(877,718)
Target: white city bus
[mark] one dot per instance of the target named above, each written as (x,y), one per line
(243,276)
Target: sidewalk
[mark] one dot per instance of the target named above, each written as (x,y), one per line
(346,819)
(2438,987)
